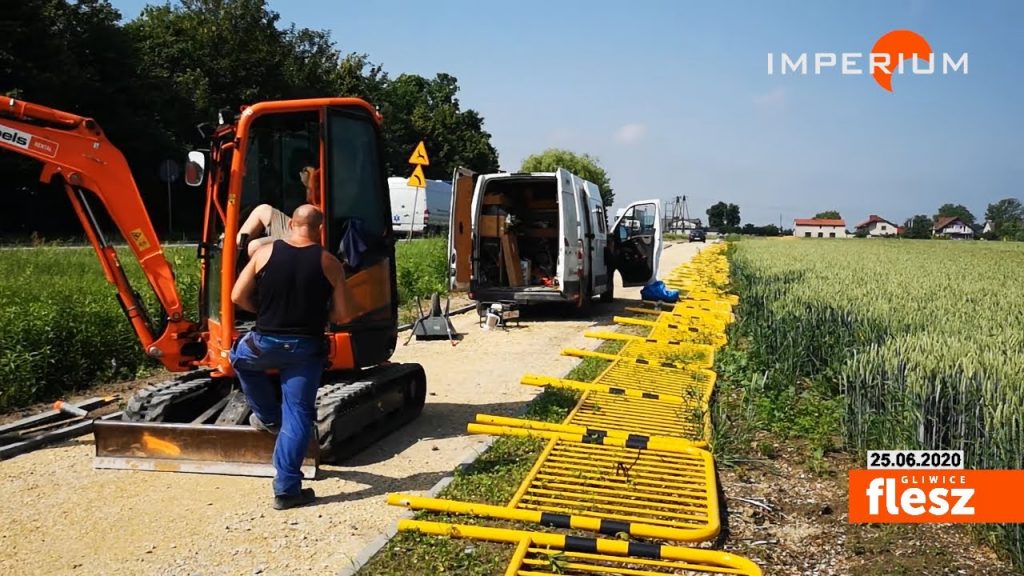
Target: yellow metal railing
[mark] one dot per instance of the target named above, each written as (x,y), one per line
(630,459)
(546,553)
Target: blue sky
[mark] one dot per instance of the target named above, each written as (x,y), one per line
(674,97)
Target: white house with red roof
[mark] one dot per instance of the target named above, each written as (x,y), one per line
(875,225)
(819,228)
(952,227)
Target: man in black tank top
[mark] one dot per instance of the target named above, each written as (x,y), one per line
(294,286)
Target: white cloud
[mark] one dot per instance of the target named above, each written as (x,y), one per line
(772,100)
(631,133)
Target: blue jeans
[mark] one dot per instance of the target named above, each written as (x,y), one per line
(301,362)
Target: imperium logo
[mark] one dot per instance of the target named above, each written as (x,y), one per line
(897,52)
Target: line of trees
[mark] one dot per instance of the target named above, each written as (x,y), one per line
(1005,219)
(150,81)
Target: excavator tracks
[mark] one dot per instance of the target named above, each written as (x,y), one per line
(354,413)
(198,423)
(163,401)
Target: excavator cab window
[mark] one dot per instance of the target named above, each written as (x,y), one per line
(359,212)
(280,146)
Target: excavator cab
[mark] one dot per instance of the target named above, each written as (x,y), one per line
(325,151)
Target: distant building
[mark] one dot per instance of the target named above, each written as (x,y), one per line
(819,228)
(952,227)
(875,225)
(989,227)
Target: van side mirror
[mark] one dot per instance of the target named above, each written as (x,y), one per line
(195,168)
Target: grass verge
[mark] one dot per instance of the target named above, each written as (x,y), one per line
(493,478)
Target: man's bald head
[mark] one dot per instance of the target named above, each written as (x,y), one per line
(306,222)
(308,215)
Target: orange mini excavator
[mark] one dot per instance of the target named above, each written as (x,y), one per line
(197,421)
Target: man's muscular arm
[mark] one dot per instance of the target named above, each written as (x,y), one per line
(335,274)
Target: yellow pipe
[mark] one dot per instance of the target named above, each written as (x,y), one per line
(712,559)
(533,380)
(609,335)
(566,521)
(659,444)
(518,557)
(567,428)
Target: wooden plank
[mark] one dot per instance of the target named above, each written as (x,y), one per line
(73,431)
(54,415)
(512,267)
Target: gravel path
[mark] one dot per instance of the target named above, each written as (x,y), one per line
(62,517)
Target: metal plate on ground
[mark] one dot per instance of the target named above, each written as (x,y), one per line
(201,449)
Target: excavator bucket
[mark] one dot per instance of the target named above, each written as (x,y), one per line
(198,448)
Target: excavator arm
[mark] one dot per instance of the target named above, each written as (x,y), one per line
(75,149)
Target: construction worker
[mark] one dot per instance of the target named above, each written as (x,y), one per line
(294,286)
(266,224)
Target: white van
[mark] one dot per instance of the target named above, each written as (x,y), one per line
(555,227)
(426,210)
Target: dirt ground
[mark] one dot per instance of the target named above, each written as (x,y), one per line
(60,516)
(794,521)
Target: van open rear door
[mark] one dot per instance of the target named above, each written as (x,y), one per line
(460,240)
(636,242)
(568,224)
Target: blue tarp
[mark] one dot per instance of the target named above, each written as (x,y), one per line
(657,291)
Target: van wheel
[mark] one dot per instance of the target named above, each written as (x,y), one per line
(586,299)
(609,290)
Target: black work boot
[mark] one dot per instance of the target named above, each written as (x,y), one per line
(286,501)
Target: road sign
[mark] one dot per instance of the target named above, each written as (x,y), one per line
(417,180)
(419,155)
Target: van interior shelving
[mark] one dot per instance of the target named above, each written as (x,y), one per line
(519,223)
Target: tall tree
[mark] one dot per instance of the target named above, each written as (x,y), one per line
(919,227)
(732,216)
(958,210)
(828,215)
(1005,212)
(717,215)
(416,108)
(73,57)
(583,165)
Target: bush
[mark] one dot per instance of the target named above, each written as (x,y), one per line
(61,328)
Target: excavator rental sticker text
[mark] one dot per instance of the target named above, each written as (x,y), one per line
(28,141)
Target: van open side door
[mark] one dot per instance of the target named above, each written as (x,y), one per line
(568,225)
(598,236)
(460,239)
(636,242)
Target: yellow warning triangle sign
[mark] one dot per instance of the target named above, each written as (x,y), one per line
(417,180)
(419,155)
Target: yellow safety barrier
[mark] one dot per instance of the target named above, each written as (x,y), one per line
(676,331)
(698,373)
(639,415)
(632,441)
(540,553)
(637,381)
(575,429)
(655,350)
(682,317)
(720,310)
(630,459)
